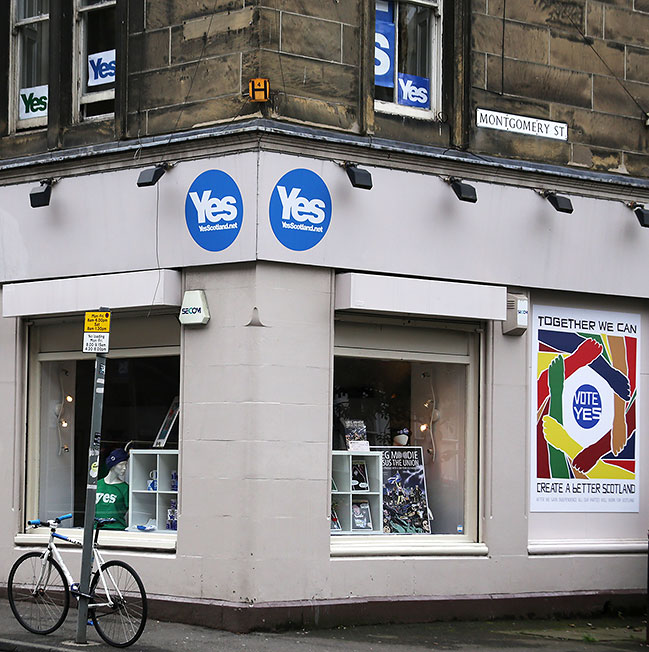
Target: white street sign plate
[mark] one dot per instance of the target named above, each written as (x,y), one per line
(95,342)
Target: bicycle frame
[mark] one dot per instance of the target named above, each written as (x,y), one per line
(74,588)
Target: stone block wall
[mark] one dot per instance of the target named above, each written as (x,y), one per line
(582,62)
(190,62)
(187,65)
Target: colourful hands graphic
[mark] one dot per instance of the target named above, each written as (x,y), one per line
(558,454)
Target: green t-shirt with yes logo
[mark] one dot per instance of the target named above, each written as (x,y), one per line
(112,502)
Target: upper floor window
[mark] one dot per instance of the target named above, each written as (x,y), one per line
(30,20)
(96,39)
(408,57)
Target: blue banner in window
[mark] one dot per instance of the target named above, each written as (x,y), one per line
(384,54)
(385,11)
(413,91)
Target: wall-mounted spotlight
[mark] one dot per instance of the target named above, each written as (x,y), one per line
(462,190)
(641,212)
(40,196)
(560,203)
(151,176)
(359,177)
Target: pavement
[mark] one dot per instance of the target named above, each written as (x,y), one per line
(598,634)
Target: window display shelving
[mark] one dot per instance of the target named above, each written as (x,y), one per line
(147,505)
(359,510)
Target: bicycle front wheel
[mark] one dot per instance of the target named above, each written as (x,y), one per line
(38,593)
(118,605)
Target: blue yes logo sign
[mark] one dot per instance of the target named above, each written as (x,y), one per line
(214,210)
(300,209)
(413,91)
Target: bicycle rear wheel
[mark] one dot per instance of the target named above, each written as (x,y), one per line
(38,593)
(122,622)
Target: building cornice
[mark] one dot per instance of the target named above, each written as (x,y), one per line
(301,140)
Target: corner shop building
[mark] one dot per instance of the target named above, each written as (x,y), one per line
(332,304)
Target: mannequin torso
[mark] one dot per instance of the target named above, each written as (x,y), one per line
(112,497)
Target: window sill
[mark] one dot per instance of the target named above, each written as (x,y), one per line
(580,547)
(133,540)
(407,111)
(98,96)
(31,123)
(102,117)
(405,545)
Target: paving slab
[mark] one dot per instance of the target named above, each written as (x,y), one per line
(602,634)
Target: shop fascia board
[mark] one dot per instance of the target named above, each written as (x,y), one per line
(155,288)
(399,295)
(269,135)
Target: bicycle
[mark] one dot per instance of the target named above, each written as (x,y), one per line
(40,586)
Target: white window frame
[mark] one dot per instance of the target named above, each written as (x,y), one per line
(40,536)
(80,64)
(435,72)
(15,123)
(426,544)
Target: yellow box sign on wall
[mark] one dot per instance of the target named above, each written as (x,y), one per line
(97,322)
(259,90)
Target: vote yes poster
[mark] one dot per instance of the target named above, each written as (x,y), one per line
(584,453)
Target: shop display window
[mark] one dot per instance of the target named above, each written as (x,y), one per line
(138,471)
(138,394)
(417,409)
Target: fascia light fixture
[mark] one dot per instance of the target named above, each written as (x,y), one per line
(463,191)
(40,196)
(151,176)
(560,203)
(641,212)
(358,177)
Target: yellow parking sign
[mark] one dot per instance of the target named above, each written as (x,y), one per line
(97,322)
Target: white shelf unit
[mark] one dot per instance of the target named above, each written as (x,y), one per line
(146,504)
(344,496)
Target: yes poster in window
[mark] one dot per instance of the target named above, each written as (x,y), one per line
(584,453)
(384,48)
(101,68)
(414,91)
(33,102)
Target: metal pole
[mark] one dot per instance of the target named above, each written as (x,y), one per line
(91,493)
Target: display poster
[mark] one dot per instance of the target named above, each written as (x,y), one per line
(584,450)
(405,502)
(356,435)
(361,515)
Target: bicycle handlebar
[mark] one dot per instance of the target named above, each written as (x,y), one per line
(37,522)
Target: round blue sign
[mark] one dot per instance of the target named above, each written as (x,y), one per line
(214,210)
(300,209)
(587,406)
